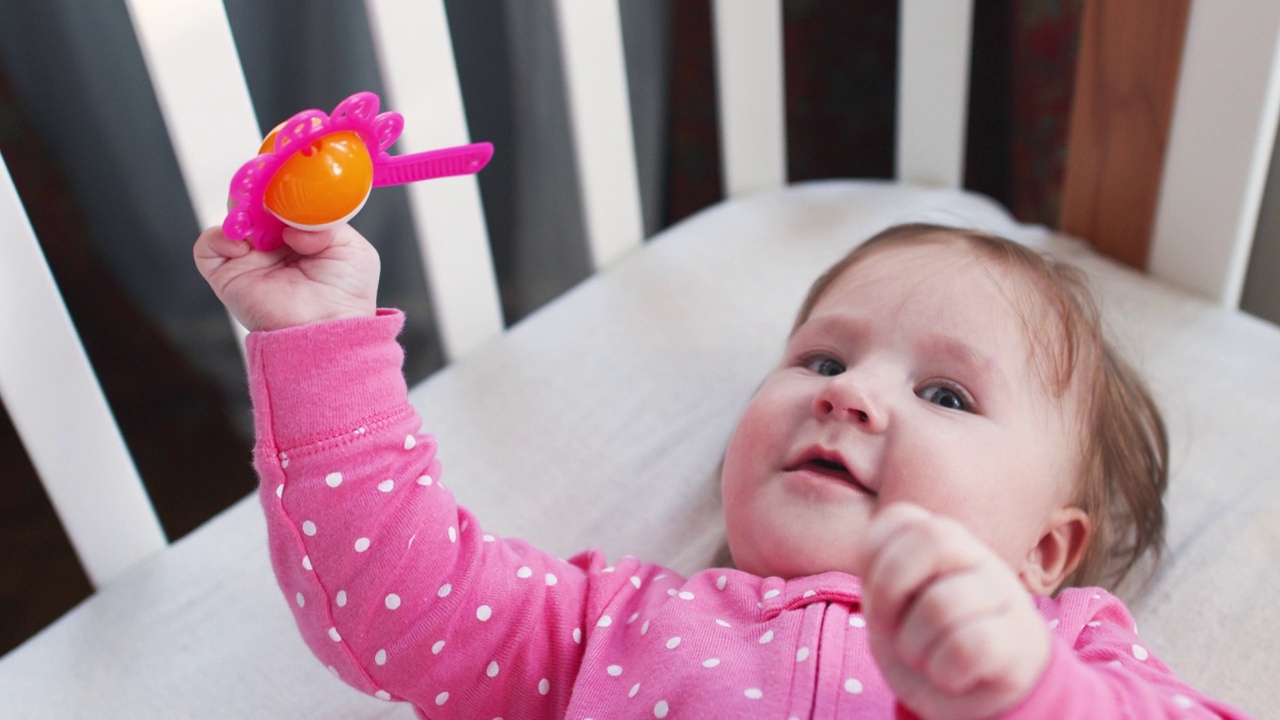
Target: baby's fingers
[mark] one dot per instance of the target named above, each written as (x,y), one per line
(945,608)
(315,242)
(309,242)
(907,549)
(213,247)
(969,655)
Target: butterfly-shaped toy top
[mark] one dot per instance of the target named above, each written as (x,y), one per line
(316,169)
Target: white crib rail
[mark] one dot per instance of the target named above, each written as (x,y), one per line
(191,58)
(751,95)
(933,89)
(416,55)
(600,112)
(53,397)
(1220,143)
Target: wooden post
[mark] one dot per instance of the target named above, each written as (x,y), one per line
(1126,76)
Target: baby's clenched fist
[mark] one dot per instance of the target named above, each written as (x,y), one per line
(955,633)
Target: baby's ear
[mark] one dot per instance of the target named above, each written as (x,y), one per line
(1060,549)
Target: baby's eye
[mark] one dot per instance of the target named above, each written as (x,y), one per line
(945,397)
(825,366)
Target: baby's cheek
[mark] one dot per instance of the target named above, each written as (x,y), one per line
(947,492)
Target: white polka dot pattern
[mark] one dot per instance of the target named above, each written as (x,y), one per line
(409,600)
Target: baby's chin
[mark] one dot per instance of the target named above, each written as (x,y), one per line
(790,563)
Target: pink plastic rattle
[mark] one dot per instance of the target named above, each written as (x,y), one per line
(315,170)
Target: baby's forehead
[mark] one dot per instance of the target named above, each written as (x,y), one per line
(949,275)
(1038,301)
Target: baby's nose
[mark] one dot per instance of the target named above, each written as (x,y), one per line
(845,399)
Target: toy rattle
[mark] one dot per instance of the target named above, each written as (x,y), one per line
(315,170)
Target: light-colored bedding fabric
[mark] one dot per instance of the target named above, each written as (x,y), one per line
(621,394)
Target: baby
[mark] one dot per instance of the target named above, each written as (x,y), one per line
(947,443)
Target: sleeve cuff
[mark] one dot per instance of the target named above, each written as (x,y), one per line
(312,382)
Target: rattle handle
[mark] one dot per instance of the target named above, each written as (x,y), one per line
(447,162)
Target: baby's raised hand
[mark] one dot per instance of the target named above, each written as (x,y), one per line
(953,630)
(316,276)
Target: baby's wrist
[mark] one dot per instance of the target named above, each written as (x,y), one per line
(276,321)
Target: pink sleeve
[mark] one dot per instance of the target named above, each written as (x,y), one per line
(395,588)
(1098,668)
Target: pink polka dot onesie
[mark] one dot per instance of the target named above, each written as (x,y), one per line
(404,596)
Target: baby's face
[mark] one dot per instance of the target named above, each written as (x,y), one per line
(912,380)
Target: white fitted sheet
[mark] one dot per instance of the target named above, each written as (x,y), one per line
(600,421)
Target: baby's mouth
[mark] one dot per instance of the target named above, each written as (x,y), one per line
(832,468)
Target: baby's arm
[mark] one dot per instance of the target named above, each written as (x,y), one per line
(957,636)
(393,586)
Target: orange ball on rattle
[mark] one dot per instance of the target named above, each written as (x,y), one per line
(322,185)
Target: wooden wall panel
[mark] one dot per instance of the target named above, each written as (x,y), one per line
(1126,76)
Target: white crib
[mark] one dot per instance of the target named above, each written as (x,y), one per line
(629,383)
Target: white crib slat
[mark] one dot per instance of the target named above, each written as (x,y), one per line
(933,90)
(416,54)
(1220,144)
(191,58)
(751,95)
(53,397)
(600,111)
(199,84)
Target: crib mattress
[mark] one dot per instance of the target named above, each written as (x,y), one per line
(600,421)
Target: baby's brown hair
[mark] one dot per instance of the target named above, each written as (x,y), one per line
(1124,463)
